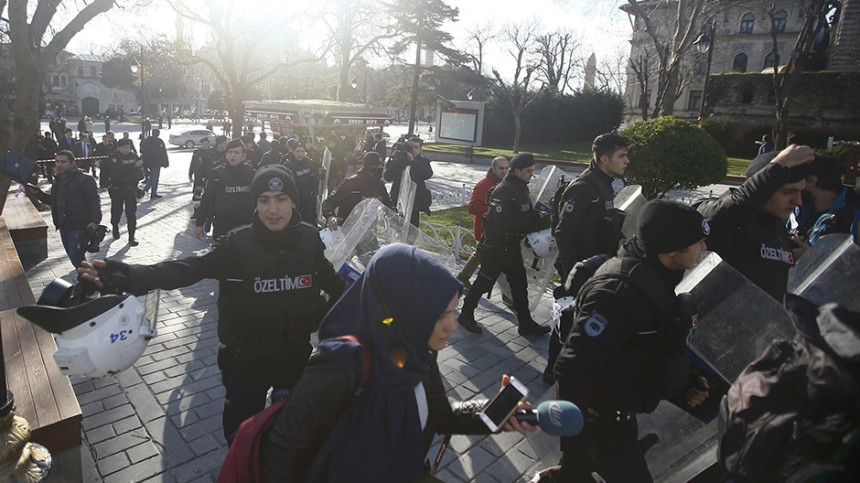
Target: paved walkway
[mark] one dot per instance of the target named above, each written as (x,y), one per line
(161,419)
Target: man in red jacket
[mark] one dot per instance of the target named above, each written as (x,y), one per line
(478,207)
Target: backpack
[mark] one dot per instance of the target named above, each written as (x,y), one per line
(242,463)
(794,413)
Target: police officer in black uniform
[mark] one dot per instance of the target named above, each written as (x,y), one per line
(367,183)
(588,225)
(121,173)
(195,176)
(306,174)
(628,346)
(271,274)
(511,217)
(227,199)
(749,222)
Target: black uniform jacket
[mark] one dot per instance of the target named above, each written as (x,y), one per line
(625,351)
(227,198)
(122,170)
(350,193)
(269,285)
(511,214)
(74,201)
(420,171)
(753,242)
(326,390)
(583,229)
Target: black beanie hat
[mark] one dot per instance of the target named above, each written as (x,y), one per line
(522,160)
(236,143)
(123,142)
(274,177)
(220,139)
(666,226)
(371,160)
(796,174)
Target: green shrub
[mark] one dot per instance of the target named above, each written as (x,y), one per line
(667,153)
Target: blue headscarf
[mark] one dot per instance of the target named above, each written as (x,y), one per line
(393,307)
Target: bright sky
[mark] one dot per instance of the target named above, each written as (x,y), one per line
(600,26)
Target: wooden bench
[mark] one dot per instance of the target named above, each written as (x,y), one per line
(43,396)
(28,229)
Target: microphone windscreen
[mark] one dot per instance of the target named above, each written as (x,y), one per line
(559,418)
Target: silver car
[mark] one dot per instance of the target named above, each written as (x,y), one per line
(190,139)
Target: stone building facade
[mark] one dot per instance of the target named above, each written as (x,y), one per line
(73,85)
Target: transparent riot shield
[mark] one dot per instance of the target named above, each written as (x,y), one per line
(544,183)
(538,275)
(630,200)
(323,187)
(406,199)
(737,321)
(829,272)
(372,225)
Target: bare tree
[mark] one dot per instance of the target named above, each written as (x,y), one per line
(479,37)
(36,36)
(557,51)
(355,27)
(235,56)
(809,43)
(667,52)
(611,74)
(521,39)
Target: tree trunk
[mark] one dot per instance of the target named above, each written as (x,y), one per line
(413,103)
(518,129)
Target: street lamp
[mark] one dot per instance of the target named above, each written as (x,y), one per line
(705,43)
(137,66)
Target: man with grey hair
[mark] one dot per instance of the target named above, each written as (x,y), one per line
(478,208)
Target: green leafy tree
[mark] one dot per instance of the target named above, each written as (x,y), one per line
(420,23)
(667,153)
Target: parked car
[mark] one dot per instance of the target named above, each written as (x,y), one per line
(191,138)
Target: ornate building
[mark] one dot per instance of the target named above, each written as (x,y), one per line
(74,86)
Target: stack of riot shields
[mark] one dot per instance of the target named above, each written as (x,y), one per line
(630,201)
(372,225)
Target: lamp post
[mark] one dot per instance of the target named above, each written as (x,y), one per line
(137,66)
(705,43)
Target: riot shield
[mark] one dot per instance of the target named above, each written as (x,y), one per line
(543,184)
(829,272)
(538,275)
(406,198)
(630,200)
(323,187)
(372,225)
(736,322)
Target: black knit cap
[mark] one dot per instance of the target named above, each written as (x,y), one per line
(666,226)
(796,174)
(123,142)
(236,143)
(522,160)
(220,139)
(274,177)
(371,160)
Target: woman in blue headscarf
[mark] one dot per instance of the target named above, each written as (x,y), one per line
(402,308)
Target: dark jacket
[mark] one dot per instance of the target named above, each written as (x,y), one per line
(420,171)
(753,242)
(74,201)
(478,201)
(511,215)
(308,184)
(351,191)
(843,216)
(627,348)
(227,199)
(586,226)
(154,153)
(47,148)
(270,287)
(122,170)
(325,391)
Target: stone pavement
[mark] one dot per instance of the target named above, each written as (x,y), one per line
(161,419)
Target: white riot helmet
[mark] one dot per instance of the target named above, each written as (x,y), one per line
(101,336)
(542,243)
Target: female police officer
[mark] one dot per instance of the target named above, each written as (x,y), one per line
(270,275)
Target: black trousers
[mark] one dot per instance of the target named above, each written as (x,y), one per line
(248,380)
(124,197)
(495,261)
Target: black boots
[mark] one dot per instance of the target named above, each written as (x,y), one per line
(530,327)
(115,232)
(467,320)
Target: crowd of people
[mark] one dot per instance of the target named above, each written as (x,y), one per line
(620,351)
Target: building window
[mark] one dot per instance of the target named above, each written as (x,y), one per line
(80,71)
(779,19)
(768,61)
(747,22)
(695,101)
(55,82)
(62,81)
(92,71)
(747,93)
(740,63)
